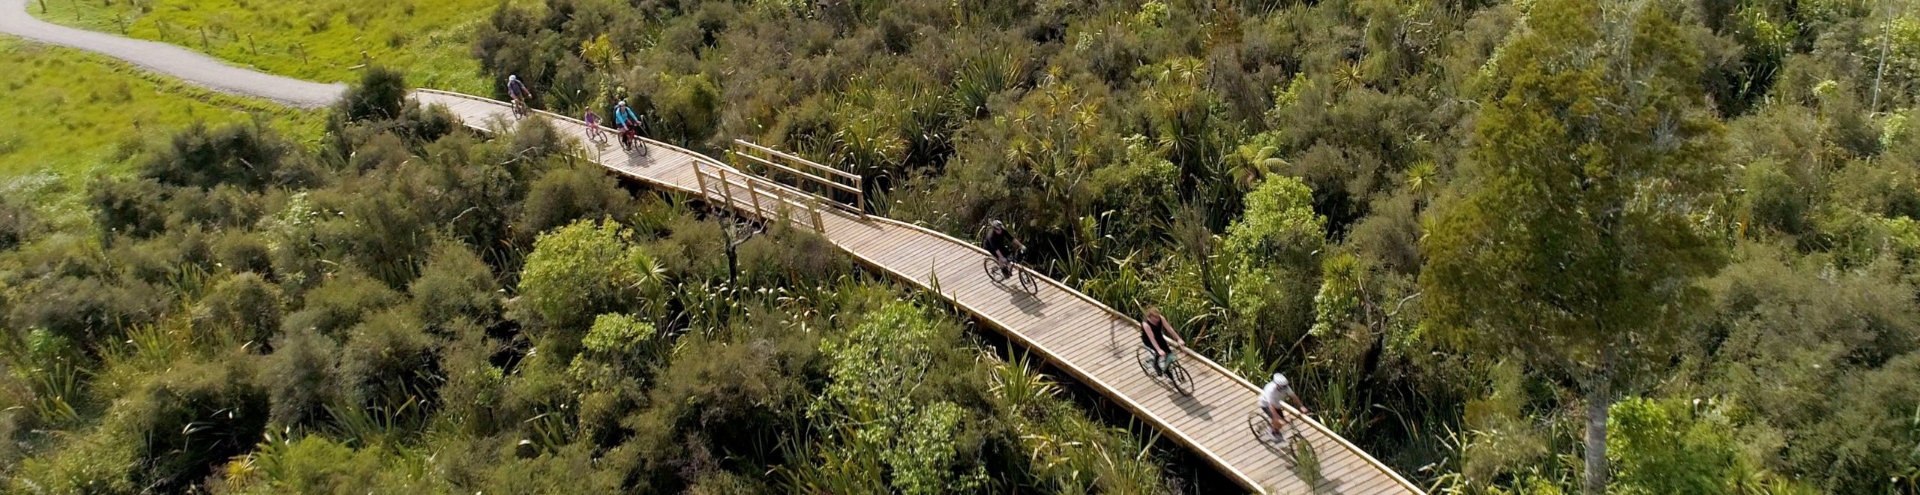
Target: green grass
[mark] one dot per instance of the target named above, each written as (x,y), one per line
(70,115)
(319,40)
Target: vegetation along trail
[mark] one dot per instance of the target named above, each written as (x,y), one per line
(1504,246)
(170,60)
(1206,421)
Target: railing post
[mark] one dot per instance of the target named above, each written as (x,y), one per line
(754,195)
(726,188)
(860,198)
(818,226)
(700,177)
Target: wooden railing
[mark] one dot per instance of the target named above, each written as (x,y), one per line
(767,200)
(749,156)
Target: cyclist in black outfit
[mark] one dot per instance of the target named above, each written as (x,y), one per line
(1156,333)
(1002,245)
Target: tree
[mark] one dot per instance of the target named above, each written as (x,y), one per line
(1272,250)
(381,94)
(1667,447)
(583,270)
(1577,242)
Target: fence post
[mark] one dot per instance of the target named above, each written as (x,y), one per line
(754,195)
(700,177)
(726,188)
(860,198)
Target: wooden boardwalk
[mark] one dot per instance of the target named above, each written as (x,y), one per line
(1074,332)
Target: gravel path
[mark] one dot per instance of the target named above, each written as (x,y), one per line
(171,60)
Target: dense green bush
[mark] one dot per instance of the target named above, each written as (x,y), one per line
(244,308)
(168,434)
(241,155)
(580,271)
(18,221)
(341,302)
(130,207)
(1274,250)
(381,95)
(389,365)
(455,284)
(569,192)
(1670,448)
(299,378)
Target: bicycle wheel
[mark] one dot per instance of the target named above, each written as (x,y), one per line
(1177,375)
(993,270)
(1257,425)
(1028,283)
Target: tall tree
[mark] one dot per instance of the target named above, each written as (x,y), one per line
(1581,228)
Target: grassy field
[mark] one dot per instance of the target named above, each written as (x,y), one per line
(72,114)
(320,40)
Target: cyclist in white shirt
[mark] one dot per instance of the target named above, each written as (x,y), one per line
(1271,396)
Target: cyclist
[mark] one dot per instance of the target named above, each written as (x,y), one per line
(1002,246)
(624,119)
(593,127)
(1271,396)
(1156,333)
(518,91)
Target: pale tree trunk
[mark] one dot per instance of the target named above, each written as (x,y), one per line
(1599,400)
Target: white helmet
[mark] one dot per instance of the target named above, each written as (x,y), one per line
(1280,379)
(996,223)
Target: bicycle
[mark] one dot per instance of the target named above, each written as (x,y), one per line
(630,139)
(999,274)
(1173,372)
(520,108)
(595,134)
(1290,443)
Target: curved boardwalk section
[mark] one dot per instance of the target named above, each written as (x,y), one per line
(1064,326)
(171,60)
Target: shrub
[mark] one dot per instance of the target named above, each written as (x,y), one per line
(573,469)
(88,309)
(242,251)
(243,307)
(166,435)
(471,398)
(315,464)
(178,258)
(1664,448)
(340,303)
(581,270)
(18,221)
(687,108)
(567,193)
(299,378)
(127,207)
(390,367)
(1273,248)
(723,400)
(1775,201)
(455,284)
(381,94)
(790,257)
(222,206)
(250,156)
